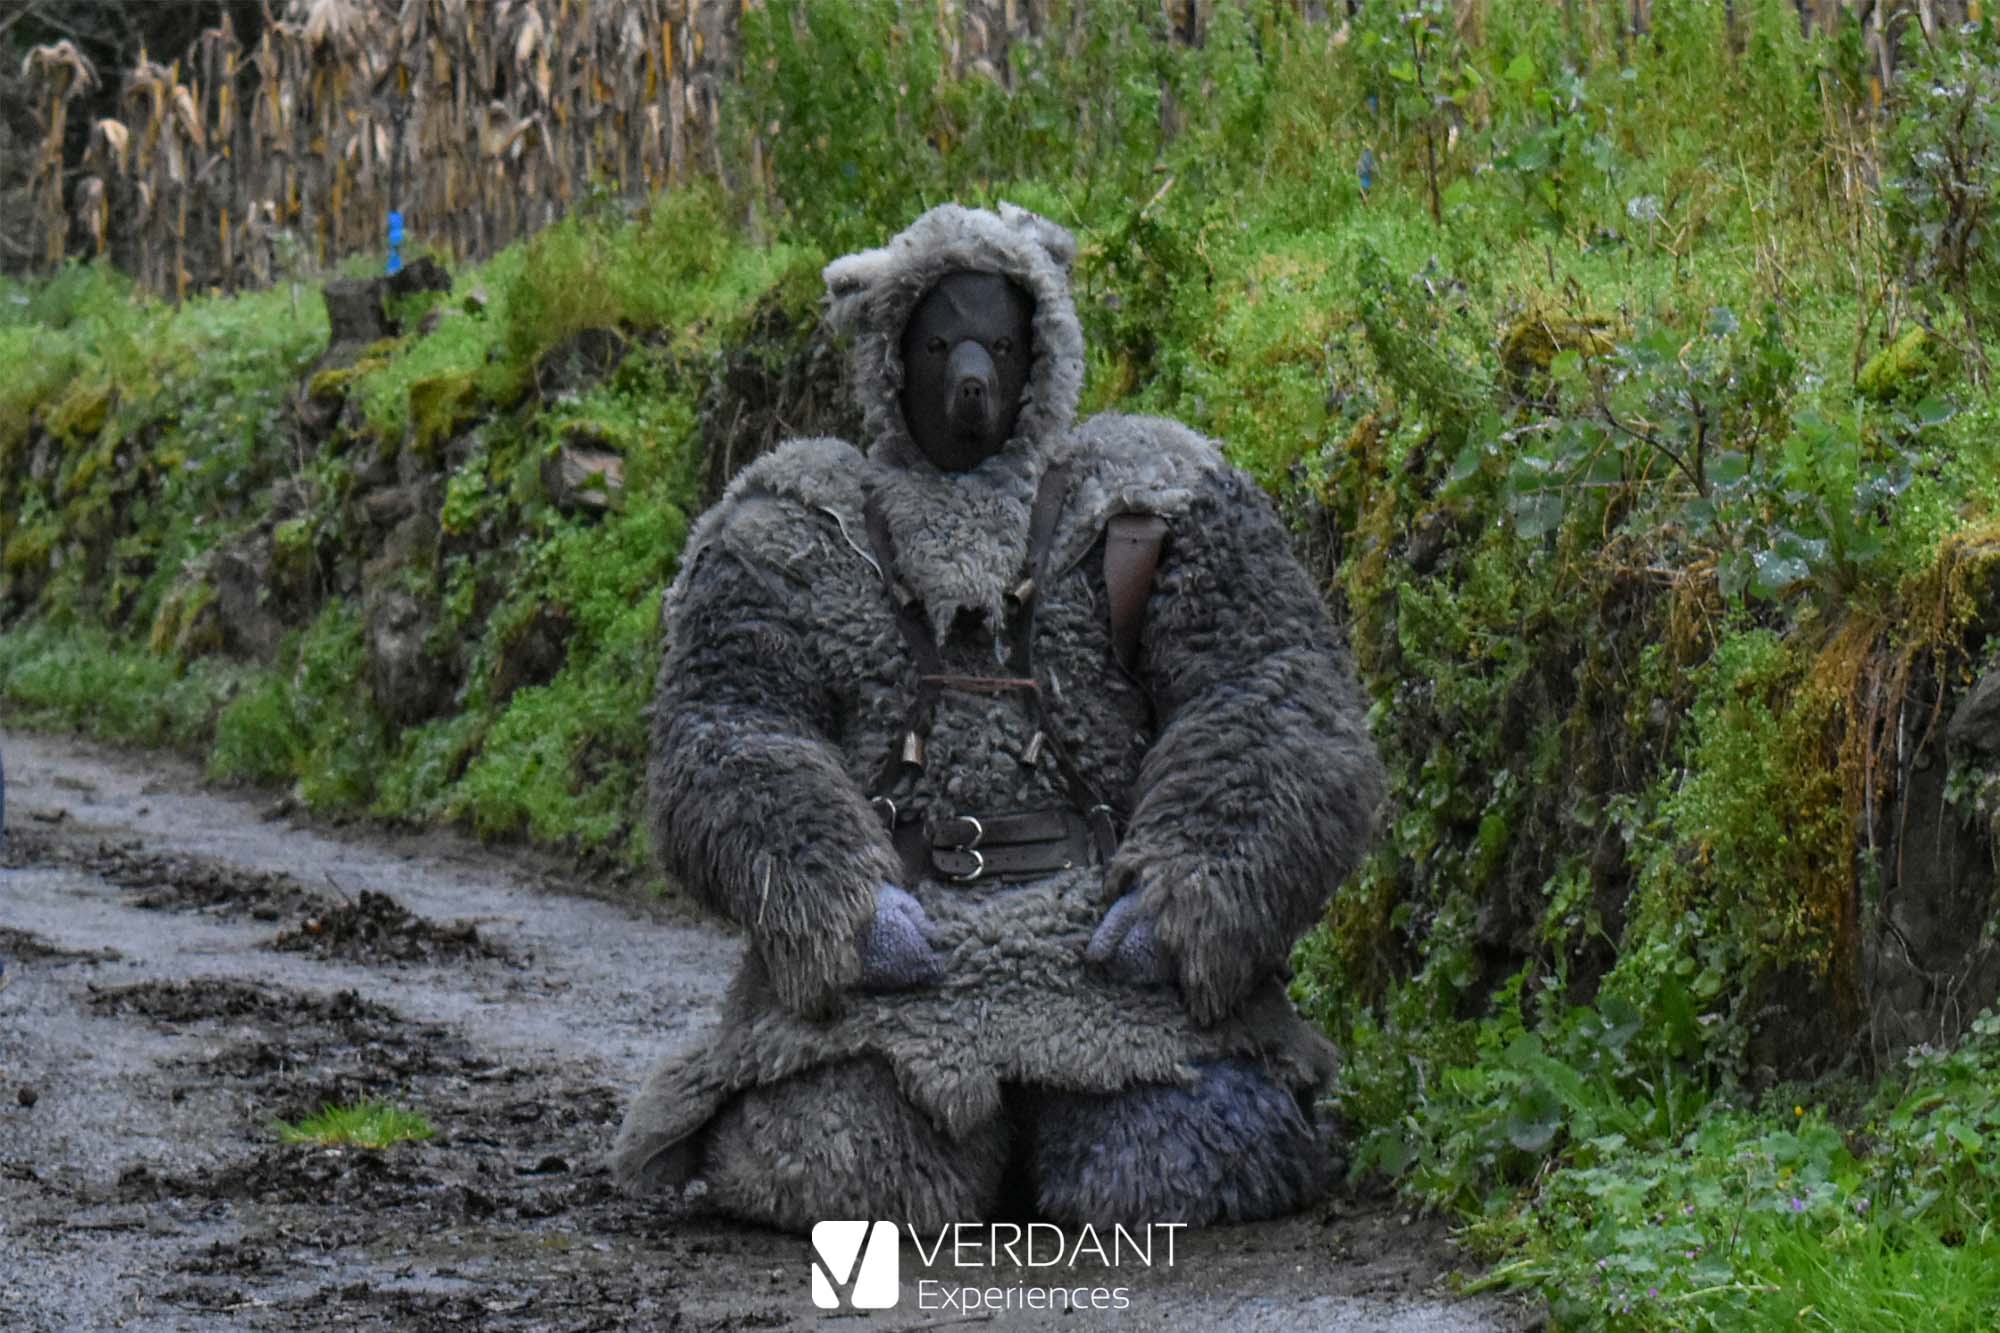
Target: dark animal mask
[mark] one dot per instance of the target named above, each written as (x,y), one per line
(966,352)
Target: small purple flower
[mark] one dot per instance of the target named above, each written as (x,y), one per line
(1798,1205)
(1689,1210)
(1653,1292)
(1860,1206)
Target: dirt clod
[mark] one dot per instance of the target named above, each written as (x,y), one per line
(376,928)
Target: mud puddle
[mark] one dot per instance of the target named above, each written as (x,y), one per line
(183,975)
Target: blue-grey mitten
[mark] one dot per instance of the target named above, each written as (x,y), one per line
(896,951)
(1126,946)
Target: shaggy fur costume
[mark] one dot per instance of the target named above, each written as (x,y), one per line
(1238,765)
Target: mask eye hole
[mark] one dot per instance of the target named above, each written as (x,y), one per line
(1003,347)
(935,347)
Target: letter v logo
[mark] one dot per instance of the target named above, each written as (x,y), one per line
(855,1265)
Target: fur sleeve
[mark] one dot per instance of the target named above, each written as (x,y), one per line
(751,809)
(1259,795)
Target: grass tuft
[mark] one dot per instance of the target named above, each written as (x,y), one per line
(364,1125)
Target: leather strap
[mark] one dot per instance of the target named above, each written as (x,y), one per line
(1014,861)
(970,831)
(1024,844)
(1092,827)
(1050,496)
(1132,545)
(915,627)
(913,849)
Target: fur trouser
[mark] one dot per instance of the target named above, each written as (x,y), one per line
(842,1142)
(1236,1147)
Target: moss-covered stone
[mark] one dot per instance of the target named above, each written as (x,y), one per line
(440,407)
(331,386)
(292,553)
(1543,332)
(188,624)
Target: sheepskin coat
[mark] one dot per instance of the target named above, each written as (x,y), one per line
(1235,756)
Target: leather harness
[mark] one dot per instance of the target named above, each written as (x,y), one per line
(1025,844)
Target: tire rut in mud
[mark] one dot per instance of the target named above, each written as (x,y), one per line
(365,927)
(163,881)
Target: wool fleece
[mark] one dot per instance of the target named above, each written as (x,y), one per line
(1233,757)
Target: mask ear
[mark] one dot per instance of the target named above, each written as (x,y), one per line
(1052,237)
(848,281)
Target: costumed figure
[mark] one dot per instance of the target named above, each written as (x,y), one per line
(1023,750)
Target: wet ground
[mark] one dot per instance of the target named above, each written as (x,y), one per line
(184,969)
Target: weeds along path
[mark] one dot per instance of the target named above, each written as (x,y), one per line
(183,971)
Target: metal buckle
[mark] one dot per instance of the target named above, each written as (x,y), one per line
(887,807)
(978,866)
(944,827)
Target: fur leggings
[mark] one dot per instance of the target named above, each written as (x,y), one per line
(841,1142)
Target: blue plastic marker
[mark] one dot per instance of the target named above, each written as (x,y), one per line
(396,242)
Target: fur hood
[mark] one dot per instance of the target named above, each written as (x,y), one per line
(870,296)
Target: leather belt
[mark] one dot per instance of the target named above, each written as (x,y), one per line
(1019,845)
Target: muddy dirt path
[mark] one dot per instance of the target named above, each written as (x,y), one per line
(184,968)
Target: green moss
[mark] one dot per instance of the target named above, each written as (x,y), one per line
(1758,835)
(1543,332)
(80,414)
(439,408)
(29,547)
(292,551)
(1902,368)
(335,384)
